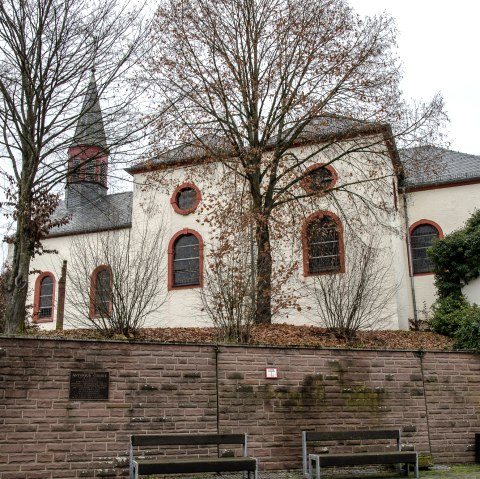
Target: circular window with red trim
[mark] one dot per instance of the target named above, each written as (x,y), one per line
(319,178)
(185,198)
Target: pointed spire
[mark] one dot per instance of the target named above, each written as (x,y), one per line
(90,130)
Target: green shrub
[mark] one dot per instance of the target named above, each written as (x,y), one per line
(449,313)
(456,258)
(468,336)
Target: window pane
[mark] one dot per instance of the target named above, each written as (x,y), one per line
(422,238)
(186,261)
(323,246)
(186,198)
(75,171)
(46,298)
(319,179)
(103,173)
(102,292)
(90,171)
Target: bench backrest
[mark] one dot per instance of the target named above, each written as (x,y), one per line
(313,436)
(188,439)
(351,435)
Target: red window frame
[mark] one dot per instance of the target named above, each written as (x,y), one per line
(171,247)
(36,298)
(93,290)
(410,231)
(341,247)
(173,199)
(304,182)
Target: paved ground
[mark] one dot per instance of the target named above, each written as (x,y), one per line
(438,472)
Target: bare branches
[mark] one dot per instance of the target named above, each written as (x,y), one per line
(134,259)
(361,297)
(48,49)
(269,87)
(228,293)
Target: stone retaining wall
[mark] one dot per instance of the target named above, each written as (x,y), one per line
(434,397)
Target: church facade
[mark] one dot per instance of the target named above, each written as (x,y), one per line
(165,221)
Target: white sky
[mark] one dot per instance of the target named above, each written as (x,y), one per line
(439,44)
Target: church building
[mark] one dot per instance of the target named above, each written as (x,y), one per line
(421,207)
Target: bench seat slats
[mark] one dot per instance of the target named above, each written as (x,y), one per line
(365,458)
(194,465)
(188,464)
(313,462)
(352,435)
(187,439)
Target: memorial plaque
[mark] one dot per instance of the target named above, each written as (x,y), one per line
(89,385)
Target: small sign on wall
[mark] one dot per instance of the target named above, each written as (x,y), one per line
(89,385)
(271,373)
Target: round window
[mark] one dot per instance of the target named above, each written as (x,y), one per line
(185,199)
(319,179)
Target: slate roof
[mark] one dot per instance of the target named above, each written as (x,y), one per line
(430,165)
(90,129)
(320,129)
(104,213)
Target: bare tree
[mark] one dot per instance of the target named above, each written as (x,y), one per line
(47,50)
(116,279)
(358,298)
(228,292)
(243,82)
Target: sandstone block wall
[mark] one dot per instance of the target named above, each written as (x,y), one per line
(434,397)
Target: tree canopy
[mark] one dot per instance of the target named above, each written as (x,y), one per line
(243,82)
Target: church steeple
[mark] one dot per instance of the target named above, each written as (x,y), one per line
(90,130)
(88,152)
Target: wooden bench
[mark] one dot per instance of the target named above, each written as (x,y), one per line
(313,462)
(189,463)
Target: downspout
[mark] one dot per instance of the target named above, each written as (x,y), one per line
(61,297)
(409,256)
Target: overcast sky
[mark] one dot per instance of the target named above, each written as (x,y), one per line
(439,44)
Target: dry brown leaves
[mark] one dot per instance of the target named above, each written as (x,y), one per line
(282,335)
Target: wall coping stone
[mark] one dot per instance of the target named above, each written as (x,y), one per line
(229,345)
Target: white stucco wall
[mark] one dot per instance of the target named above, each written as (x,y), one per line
(450,208)
(472,291)
(152,207)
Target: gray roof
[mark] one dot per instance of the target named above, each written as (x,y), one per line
(321,128)
(430,165)
(104,213)
(90,129)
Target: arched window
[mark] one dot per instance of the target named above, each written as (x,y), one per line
(422,235)
(323,244)
(44,297)
(101,292)
(185,260)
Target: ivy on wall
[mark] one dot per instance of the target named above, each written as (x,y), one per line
(457,258)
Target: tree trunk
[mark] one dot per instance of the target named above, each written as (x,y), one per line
(17,295)
(17,285)
(263,314)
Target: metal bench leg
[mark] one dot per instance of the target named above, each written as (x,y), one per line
(316,467)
